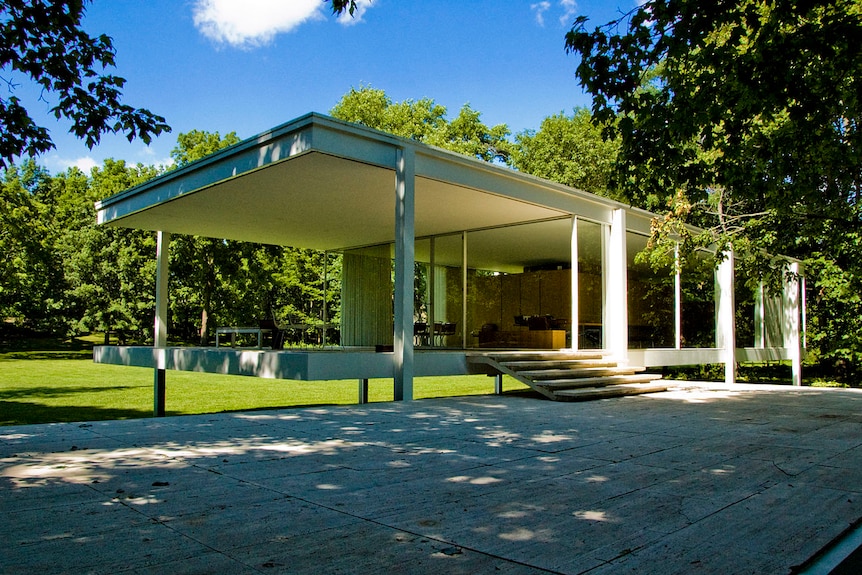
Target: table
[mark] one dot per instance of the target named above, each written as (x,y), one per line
(233,331)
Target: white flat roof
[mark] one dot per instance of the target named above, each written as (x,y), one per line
(321,183)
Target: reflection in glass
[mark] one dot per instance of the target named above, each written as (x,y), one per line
(698,300)
(745,296)
(445,291)
(519,291)
(651,299)
(590,299)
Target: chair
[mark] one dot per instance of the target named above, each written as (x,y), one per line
(445,329)
(276,334)
(420,333)
(539,322)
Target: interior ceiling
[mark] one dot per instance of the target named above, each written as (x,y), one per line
(510,249)
(323,202)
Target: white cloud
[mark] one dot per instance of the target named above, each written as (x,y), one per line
(58,165)
(252,23)
(148,156)
(570,9)
(540,8)
(361,6)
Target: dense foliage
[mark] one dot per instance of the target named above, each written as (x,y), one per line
(569,150)
(43,43)
(425,121)
(63,274)
(743,116)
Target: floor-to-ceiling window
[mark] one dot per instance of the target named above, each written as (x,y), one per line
(651,298)
(590,284)
(697,281)
(745,300)
(519,287)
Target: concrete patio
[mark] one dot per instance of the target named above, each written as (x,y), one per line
(709,479)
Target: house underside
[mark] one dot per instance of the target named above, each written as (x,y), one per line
(444,256)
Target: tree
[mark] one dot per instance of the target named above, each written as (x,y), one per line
(61,272)
(743,117)
(43,42)
(756,102)
(199,266)
(109,273)
(197,144)
(342,6)
(569,150)
(31,281)
(425,121)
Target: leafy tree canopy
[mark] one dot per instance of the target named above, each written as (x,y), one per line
(752,114)
(743,116)
(42,42)
(342,6)
(197,144)
(569,150)
(425,121)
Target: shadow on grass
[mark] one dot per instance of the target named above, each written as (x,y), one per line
(86,354)
(36,392)
(26,413)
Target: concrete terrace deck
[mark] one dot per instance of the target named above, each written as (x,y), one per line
(753,480)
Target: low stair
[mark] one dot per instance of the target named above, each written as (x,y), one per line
(569,376)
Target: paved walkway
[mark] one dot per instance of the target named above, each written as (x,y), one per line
(705,481)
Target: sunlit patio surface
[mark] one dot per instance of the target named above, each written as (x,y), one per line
(708,479)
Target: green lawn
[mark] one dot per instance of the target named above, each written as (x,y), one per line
(52,386)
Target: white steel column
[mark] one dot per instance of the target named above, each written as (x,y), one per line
(432,282)
(759,317)
(160,331)
(616,289)
(575,292)
(725,325)
(405,187)
(792,339)
(464,289)
(677,297)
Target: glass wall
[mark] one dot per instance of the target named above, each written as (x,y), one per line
(519,287)
(516,291)
(697,280)
(744,315)
(445,291)
(590,284)
(651,299)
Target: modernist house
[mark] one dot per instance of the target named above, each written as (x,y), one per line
(496,259)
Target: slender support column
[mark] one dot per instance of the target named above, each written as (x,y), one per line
(363,390)
(803,304)
(792,339)
(575,290)
(405,182)
(432,295)
(759,317)
(160,331)
(725,326)
(463,289)
(677,297)
(498,384)
(616,289)
(325,315)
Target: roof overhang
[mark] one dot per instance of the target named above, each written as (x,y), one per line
(320,183)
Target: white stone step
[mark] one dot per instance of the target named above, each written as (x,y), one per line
(619,390)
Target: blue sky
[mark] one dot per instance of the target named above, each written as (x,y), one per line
(249,65)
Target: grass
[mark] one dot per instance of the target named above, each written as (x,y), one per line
(63,384)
